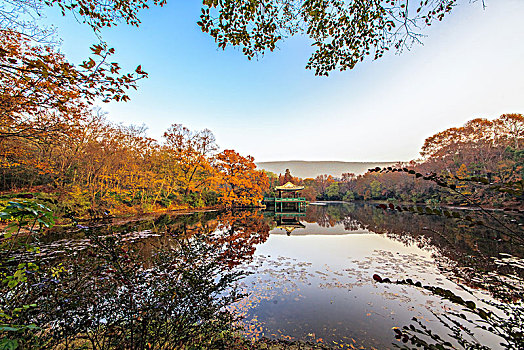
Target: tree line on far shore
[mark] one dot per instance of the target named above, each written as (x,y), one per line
(478,157)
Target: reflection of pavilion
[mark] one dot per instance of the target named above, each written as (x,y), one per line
(289,221)
(287,201)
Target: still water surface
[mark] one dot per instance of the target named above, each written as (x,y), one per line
(311,278)
(316,283)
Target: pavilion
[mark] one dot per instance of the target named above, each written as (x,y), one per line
(287,201)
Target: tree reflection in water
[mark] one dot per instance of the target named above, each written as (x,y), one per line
(237,233)
(165,282)
(474,257)
(161,283)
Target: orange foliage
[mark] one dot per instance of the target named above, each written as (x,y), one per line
(239,233)
(108,166)
(40,90)
(239,183)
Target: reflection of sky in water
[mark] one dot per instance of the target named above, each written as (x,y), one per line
(317,285)
(316,229)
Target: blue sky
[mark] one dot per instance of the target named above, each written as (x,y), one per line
(471,65)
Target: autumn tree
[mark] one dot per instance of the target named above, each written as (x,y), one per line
(42,95)
(186,154)
(462,186)
(239,182)
(322,183)
(346,182)
(482,160)
(310,191)
(509,129)
(40,90)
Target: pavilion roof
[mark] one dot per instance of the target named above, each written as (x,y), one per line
(289,187)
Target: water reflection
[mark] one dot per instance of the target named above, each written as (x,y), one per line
(238,233)
(317,284)
(470,255)
(310,276)
(288,222)
(137,290)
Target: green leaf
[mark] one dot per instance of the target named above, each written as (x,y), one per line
(8,344)
(11,228)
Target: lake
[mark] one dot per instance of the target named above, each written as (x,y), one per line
(348,275)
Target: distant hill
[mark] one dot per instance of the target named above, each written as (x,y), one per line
(305,169)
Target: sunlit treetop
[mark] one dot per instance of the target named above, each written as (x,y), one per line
(507,130)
